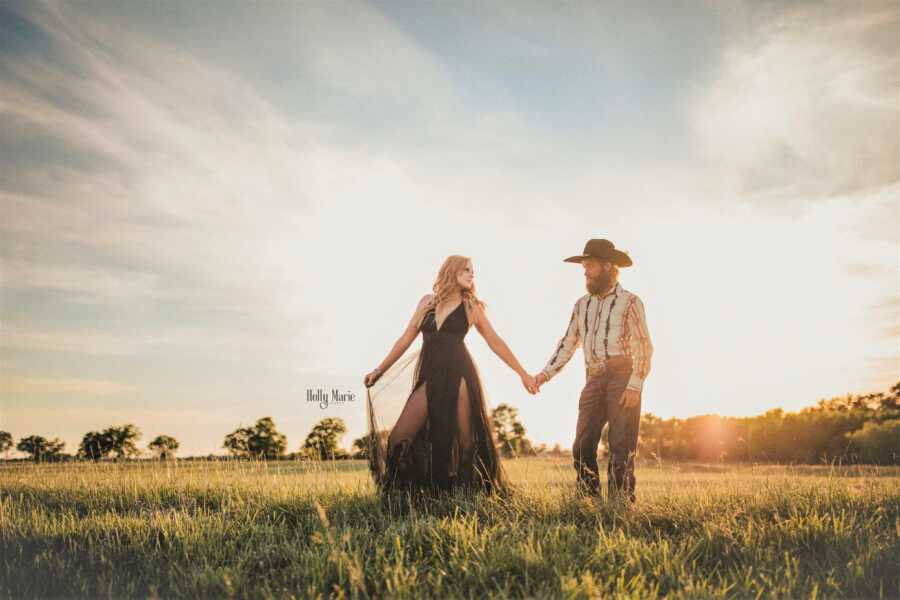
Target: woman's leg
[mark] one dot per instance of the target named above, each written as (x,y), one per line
(411,419)
(398,464)
(464,427)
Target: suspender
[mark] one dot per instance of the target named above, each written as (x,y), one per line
(608,317)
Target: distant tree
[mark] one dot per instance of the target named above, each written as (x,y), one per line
(117,442)
(40,448)
(322,441)
(6,443)
(238,442)
(54,449)
(361,447)
(877,443)
(266,441)
(164,446)
(651,436)
(510,432)
(891,400)
(95,445)
(124,440)
(261,441)
(557,450)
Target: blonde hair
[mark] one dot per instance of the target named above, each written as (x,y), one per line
(445,285)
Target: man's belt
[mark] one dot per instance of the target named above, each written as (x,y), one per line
(595,369)
(598,368)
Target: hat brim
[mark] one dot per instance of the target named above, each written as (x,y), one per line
(620,259)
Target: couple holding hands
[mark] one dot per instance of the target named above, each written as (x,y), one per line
(443,436)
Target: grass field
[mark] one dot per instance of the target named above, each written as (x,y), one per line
(286,530)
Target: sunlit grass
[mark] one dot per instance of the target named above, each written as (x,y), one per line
(283,529)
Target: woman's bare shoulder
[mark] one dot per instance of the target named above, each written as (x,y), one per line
(478,312)
(425,300)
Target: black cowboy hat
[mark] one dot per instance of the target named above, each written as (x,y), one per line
(603,250)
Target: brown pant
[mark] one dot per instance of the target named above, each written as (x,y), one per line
(599,404)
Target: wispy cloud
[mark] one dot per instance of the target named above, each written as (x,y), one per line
(886,313)
(61,385)
(805,105)
(168,211)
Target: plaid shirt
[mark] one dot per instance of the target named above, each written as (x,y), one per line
(609,325)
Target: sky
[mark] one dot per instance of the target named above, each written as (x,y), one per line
(209,208)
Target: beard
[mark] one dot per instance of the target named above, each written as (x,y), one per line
(600,283)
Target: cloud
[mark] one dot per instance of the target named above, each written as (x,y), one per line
(886,313)
(16,337)
(805,106)
(139,186)
(94,282)
(882,223)
(868,270)
(884,372)
(26,386)
(225,343)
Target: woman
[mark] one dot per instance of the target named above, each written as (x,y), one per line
(443,436)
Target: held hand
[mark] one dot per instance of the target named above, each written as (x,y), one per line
(539,380)
(371,378)
(528,382)
(630,398)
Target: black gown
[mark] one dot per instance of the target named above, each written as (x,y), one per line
(433,459)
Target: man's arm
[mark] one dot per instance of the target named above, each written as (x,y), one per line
(639,343)
(564,349)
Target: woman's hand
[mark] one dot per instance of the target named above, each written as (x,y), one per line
(372,377)
(529,383)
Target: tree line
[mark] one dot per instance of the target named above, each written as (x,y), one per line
(850,429)
(112,442)
(260,441)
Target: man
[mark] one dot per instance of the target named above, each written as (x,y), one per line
(609,323)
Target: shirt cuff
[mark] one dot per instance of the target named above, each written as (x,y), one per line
(547,374)
(635,383)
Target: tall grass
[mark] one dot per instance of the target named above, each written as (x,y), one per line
(261,530)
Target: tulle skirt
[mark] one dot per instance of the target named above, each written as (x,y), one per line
(436,458)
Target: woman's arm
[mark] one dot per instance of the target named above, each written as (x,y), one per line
(496,343)
(402,343)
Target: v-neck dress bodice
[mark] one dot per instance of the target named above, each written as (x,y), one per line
(455,324)
(436,456)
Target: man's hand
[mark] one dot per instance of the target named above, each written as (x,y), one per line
(630,398)
(539,380)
